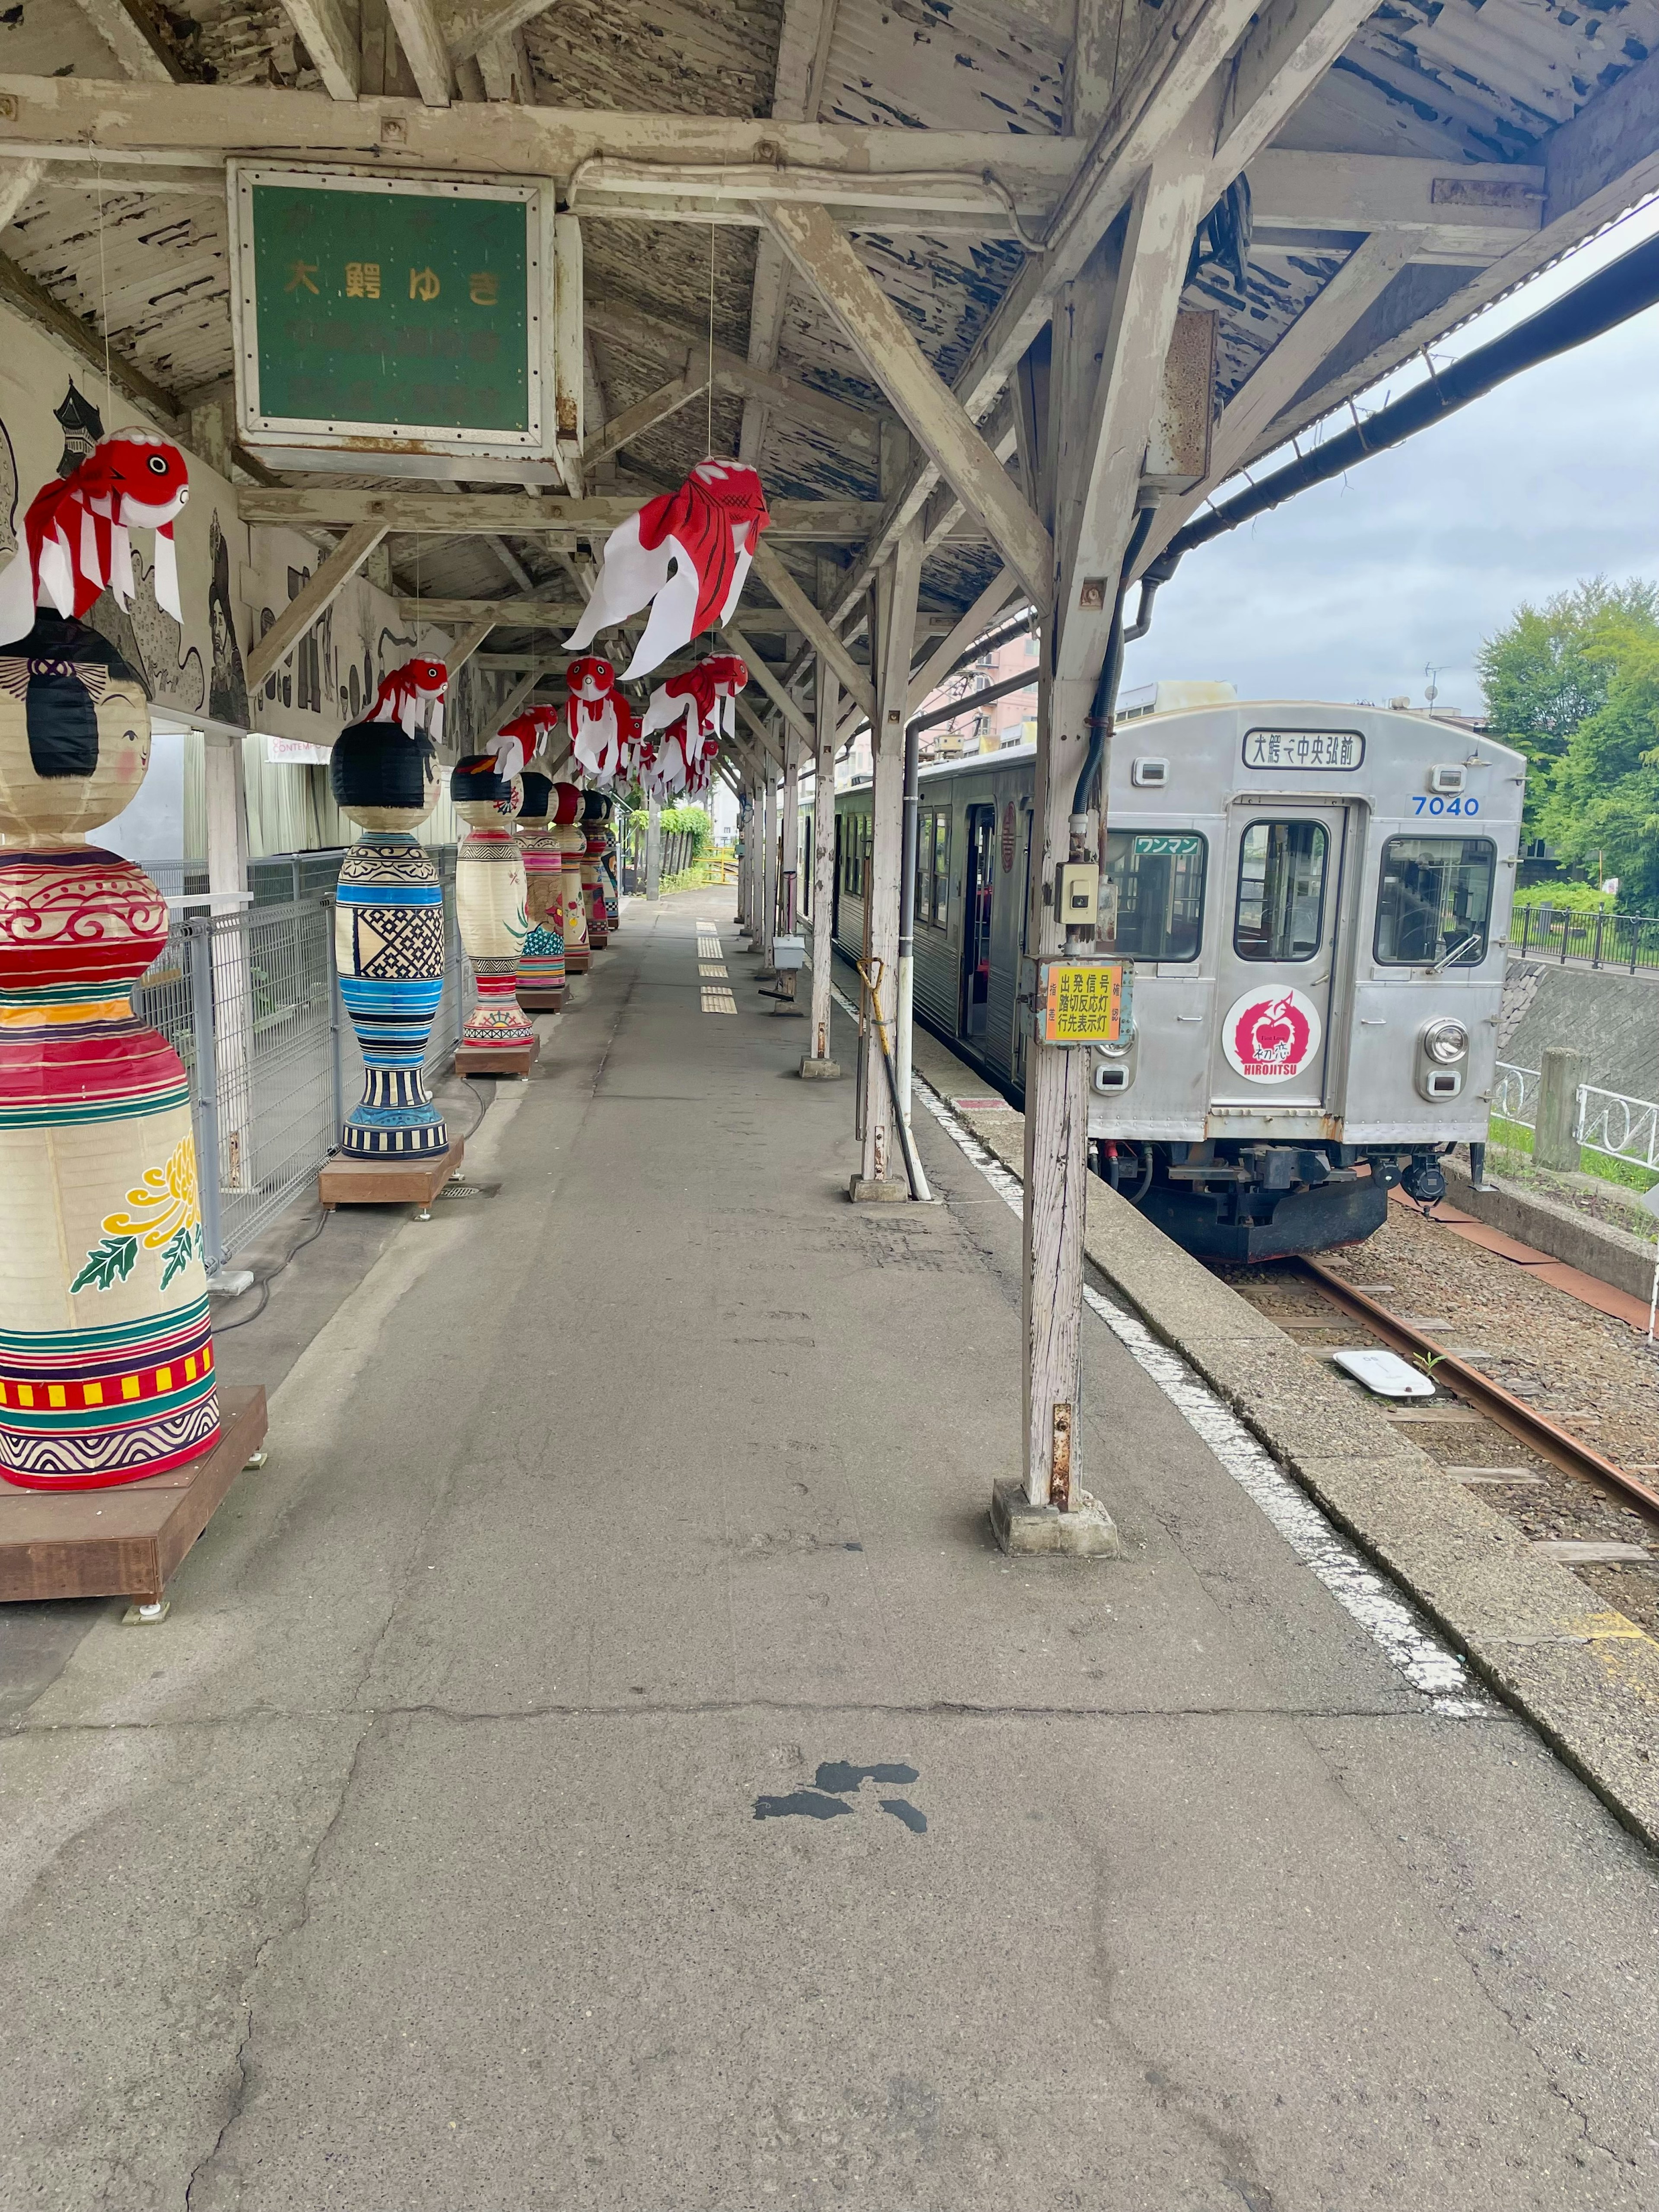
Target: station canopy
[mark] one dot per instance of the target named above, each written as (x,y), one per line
(1368,179)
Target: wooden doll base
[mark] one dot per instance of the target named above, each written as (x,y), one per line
(547,1000)
(497,1060)
(351,1181)
(126,1541)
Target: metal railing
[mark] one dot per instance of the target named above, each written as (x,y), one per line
(1515,1095)
(1604,1122)
(1623,1128)
(1630,941)
(251,1003)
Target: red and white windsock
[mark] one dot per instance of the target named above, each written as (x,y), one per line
(413,697)
(513,744)
(685,555)
(591,718)
(75,543)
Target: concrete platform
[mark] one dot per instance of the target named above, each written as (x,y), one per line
(605,1765)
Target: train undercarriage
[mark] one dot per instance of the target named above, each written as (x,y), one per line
(1239,1201)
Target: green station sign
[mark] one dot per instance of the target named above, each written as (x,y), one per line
(388,312)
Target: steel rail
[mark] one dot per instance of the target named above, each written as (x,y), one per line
(1538,1433)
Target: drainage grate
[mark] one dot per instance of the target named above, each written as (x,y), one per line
(469,1190)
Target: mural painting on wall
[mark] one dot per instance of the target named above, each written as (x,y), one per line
(227,683)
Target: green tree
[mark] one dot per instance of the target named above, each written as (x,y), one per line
(1547,670)
(1602,806)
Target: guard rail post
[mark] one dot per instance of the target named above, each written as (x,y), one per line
(1555,1135)
(199,935)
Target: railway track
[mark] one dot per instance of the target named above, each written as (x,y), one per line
(1489,1337)
(1451,1372)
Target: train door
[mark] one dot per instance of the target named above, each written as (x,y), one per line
(979,882)
(835,881)
(1277,953)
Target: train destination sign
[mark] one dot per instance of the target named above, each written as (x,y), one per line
(390,313)
(1080,1001)
(1342,749)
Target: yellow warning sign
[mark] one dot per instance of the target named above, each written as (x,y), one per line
(1079,1002)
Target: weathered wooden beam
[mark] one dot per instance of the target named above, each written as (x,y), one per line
(1002,587)
(19,290)
(824,256)
(1104,415)
(313,601)
(470,27)
(764,738)
(77,114)
(1275,381)
(569,356)
(521,692)
(471,514)
(465,647)
(1473,209)
(1601,162)
(676,341)
(499,614)
(416,23)
(769,568)
(760,670)
(1289,46)
(634,421)
(883,1159)
(135,40)
(19,182)
(332,43)
(803,37)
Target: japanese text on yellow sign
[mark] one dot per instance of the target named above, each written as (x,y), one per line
(1080,1002)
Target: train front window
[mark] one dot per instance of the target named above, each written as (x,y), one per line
(1281,890)
(1153,903)
(1435,902)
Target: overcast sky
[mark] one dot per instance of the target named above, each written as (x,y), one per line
(1347,591)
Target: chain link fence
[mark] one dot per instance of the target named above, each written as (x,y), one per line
(251,1003)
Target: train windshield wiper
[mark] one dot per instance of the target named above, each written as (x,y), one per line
(1456,953)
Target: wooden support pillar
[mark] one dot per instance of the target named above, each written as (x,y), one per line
(768,881)
(1111,334)
(881,1161)
(820,1062)
(789,878)
(653,849)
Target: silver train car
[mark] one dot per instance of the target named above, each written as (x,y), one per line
(1313,902)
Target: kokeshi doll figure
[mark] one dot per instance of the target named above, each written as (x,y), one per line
(596,808)
(489,898)
(541,963)
(105,1352)
(389,937)
(572,843)
(609,868)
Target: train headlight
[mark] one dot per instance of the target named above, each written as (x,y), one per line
(1446,1041)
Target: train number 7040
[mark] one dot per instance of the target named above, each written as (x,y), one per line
(1424,805)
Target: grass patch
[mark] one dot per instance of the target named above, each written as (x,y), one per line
(1630,1174)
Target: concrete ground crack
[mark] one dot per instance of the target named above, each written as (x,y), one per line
(238,2097)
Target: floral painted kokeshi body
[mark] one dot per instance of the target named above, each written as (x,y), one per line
(106,1350)
(389,936)
(541,963)
(596,814)
(490,890)
(573,844)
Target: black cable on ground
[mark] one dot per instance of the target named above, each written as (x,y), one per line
(263,1285)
